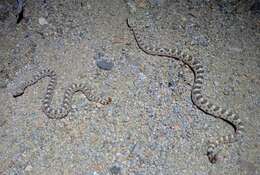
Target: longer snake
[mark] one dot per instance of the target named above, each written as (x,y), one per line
(65,108)
(196,93)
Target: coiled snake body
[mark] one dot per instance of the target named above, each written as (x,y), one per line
(197,97)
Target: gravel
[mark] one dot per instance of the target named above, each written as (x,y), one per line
(152,126)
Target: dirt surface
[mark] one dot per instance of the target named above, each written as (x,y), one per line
(151,126)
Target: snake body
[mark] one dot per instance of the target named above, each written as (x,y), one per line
(65,108)
(197,97)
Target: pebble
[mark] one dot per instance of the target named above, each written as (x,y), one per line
(28,168)
(156,2)
(103,62)
(115,170)
(42,21)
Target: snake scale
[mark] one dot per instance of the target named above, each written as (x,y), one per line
(197,97)
(61,112)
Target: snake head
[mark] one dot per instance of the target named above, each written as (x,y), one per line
(16,89)
(130,22)
(18,92)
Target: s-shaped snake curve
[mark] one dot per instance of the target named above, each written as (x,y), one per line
(196,93)
(65,108)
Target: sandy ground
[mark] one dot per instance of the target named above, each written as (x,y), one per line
(152,126)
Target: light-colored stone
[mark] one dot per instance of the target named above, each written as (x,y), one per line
(42,21)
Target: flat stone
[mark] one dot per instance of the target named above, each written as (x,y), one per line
(103,62)
(42,21)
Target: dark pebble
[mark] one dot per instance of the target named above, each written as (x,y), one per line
(103,63)
(115,170)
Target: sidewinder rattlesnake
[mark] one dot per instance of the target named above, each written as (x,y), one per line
(196,94)
(22,81)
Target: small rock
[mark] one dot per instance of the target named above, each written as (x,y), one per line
(103,62)
(115,170)
(28,168)
(42,21)
(156,2)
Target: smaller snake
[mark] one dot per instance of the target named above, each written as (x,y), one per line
(65,108)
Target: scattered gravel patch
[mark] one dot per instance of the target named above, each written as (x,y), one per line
(152,126)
